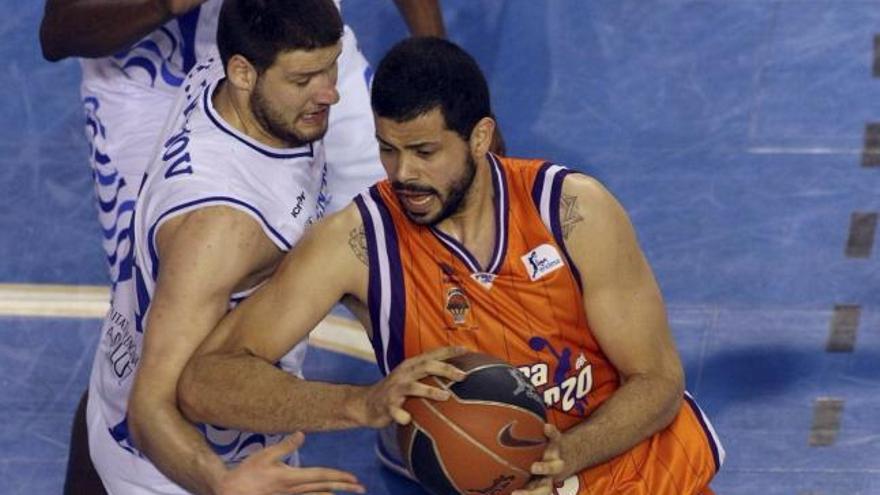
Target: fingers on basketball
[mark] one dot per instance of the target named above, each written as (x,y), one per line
(555,437)
(551,463)
(400,416)
(419,389)
(441,369)
(552,433)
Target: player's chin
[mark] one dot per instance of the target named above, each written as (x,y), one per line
(422,218)
(311,131)
(315,135)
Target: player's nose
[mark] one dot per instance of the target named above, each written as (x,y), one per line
(327,94)
(406,169)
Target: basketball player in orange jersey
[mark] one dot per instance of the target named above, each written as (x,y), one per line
(522,259)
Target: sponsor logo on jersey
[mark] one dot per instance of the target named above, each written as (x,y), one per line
(542,261)
(300,203)
(563,385)
(121,345)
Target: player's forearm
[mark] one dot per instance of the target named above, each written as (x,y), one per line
(638,409)
(176,448)
(97,28)
(248,393)
(423,17)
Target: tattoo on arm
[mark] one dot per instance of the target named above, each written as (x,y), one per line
(357,241)
(568,214)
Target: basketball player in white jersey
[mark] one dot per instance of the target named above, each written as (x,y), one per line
(236,177)
(136,55)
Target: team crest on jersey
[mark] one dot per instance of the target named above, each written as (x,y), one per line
(542,261)
(457,305)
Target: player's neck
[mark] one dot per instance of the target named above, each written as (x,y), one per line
(473,225)
(235,110)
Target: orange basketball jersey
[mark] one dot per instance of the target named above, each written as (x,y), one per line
(427,291)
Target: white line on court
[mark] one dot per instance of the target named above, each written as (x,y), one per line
(794,150)
(335,333)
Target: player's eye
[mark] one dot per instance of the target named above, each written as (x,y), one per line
(301,82)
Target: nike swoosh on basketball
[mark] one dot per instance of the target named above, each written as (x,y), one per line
(507,439)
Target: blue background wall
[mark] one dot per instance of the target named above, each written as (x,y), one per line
(732,131)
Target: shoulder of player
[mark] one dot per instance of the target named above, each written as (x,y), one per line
(590,194)
(336,227)
(332,249)
(586,189)
(589,212)
(219,226)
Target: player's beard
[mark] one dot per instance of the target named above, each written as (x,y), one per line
(273,122)
(457,192)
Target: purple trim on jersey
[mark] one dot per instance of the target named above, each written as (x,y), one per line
(374,286)
(710,438)
(221,125)
(458,250)
(502,213)
(397,318)
(556,224)
(538,185)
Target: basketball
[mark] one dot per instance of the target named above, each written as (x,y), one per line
(484,439)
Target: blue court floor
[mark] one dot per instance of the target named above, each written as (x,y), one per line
(732,131)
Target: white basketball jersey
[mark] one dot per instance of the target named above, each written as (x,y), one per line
(201,161)
(128,97)
(160,60)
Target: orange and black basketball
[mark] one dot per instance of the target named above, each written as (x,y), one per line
(484,439)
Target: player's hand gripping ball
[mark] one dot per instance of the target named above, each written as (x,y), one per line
(484,439)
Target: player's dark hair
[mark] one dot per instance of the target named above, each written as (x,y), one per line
(420,74)
(259,30)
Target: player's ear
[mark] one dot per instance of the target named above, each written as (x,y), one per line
(241,73)
(481,136)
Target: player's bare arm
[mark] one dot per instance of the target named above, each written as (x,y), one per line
(627,315)
(232,380)
(205,256)
(99,28)
(423,17)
